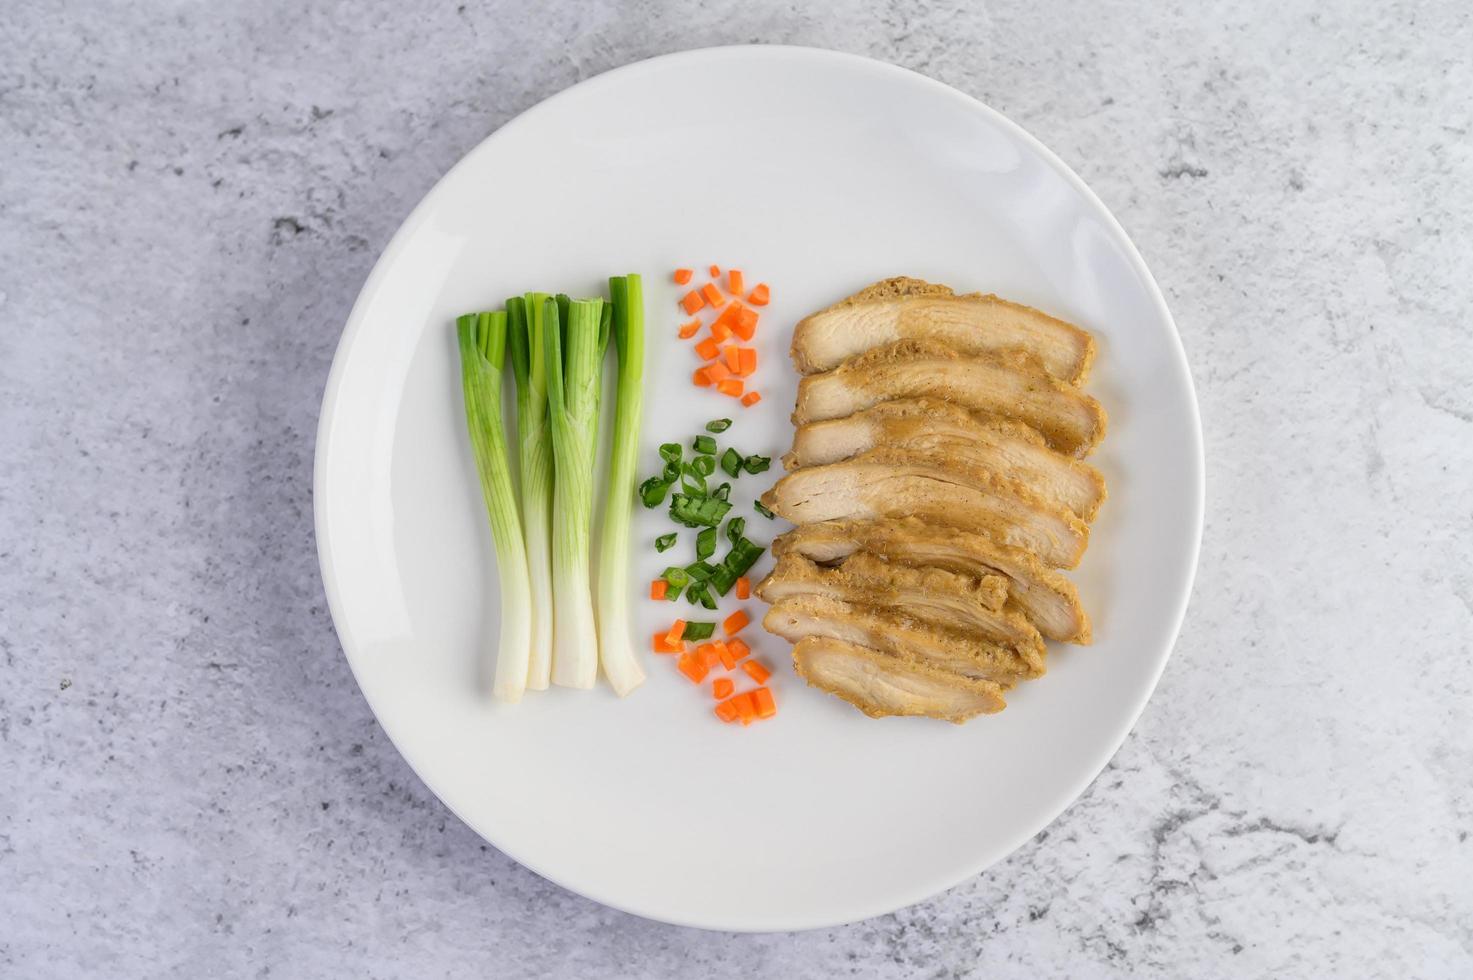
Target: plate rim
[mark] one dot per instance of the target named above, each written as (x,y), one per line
(1196,478)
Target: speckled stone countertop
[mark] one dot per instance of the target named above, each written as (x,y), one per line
(190,197)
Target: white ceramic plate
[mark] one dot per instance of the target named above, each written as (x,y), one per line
(818,173)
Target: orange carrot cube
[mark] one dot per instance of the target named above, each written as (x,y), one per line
(756,670)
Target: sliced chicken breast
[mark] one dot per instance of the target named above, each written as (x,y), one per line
(1010,384)
(912,309)
(1048,599)
(947,432)
(955,603)
(893,483)
(882,685)
(895,633)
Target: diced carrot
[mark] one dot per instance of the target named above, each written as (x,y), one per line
(760,295)
(709,654)
(730,386)
(720,332)
(734,281)
(715,271)
(717,372)
(727,655)
(721,688)
(746,323)
(708,349)
(726,711)
(749,361)
(688,329)
(746,707)
(677,630)
(661,644)
(751,398)
(734,623)
(658,588)
(702,377)
(733,355)
(756,670)
(762,701)
(693,667)
(682,276)
(692,301)
(744,584)
(728,317)
(712,295)
(738,647)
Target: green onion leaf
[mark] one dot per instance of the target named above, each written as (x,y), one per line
(735,528)
(706,543)
(666,541)
(704,445)
(718,425)
(757,505)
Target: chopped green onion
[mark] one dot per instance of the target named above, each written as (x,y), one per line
(731,462)
(666,541)
(670,452)
(706,543)
(756,464)
(704,465)
(482,342)
(734,528)
(652,492)
(700,571)
(698,631)
(697,511)
(738,561)
(699,593)
(757,505)
(722,492)
(718,425)
(692,481)
(671,473)
(704,445)
(675,577)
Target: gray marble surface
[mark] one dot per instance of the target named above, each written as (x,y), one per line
(190,197)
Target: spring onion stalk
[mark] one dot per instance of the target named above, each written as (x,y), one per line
(482,340)
(615,649)
(570,351)
(534,448)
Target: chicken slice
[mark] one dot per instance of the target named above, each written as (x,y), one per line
(948,432)
(944,600)
(881,685)
(895,483)
(893,632)
(912,309)
(1048,599)
(1008,383)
